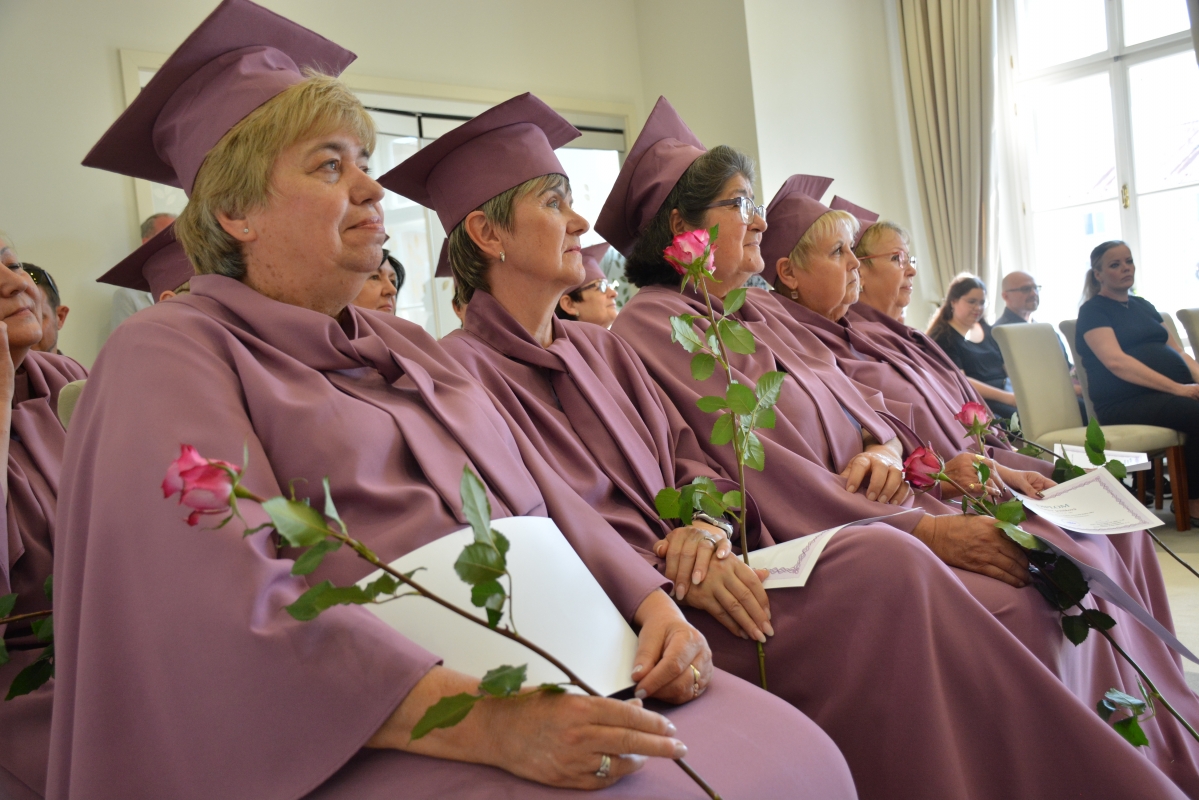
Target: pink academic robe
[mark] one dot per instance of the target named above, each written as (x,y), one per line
(593,410)
(179,673)
(800,468)
(34,465)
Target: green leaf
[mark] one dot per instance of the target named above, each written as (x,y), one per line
(475,505)
(755,456)
(712,505)
(1096,457)
(984,472)
(722,429)
(1100,621)
(736,337)
(666,502)
(551,688)
(1095,440)
(770,385)
(1012,511)
(684,333)
(1019,536)
(741,398)
(478,563)
(43,628)
(33,676)
(48,588)
(687,503)
(325,595)
(330,508)
(501,542)
(702,366)
(1115,700)
(1070,580)
(1029,450)
(385,584)
(713,234)
(1130,729)
(297,522)
(9,601)
(307,563)
(488,594)
(765,418)
(1117,469)
(711,403)
(445,713)
(732,499)
(734,300)
(503,681)
(1075,628)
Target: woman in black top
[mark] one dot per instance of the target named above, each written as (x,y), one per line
(1138,373)
(966,337)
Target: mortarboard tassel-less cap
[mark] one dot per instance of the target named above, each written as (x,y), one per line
(501,148)
(238,58)
(792,210)
(664,150)
(443,261)
(158,266)
(592,271)
(865,217)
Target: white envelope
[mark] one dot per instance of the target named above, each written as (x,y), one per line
(558,605)
(1096,503)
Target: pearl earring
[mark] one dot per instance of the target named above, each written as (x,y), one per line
(245,230)
(794,295)
(502,258)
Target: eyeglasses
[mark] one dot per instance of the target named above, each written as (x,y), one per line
(41,278)
(896,256)
(602,285)
(745,205)
(1036,287)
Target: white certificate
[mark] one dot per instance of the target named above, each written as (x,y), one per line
(1095,503)
(1133,462)
(557,603)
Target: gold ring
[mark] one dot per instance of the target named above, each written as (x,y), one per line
(605,766)
(695,690)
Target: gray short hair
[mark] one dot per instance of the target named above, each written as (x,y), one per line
(149,222)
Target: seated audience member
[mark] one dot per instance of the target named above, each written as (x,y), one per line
(962,331)
(125,300)
(594,300)
(30,383)
(670,184)
(1138,373)
(158,268)
(278,364)
(50,308)
(382,286)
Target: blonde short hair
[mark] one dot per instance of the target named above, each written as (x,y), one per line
(827,224)
(467,261)
(875,232)
(236,174)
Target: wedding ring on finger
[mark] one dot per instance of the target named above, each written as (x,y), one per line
(709,538)
(695,690)
(605,766)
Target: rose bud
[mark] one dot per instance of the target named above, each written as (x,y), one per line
(204,485)
(973,414)
(686,249)
(921,468)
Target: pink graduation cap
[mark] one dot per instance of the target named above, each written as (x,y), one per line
(664,150)
(241,56)
(865,217)
(158,266)
(591,264)
(501,148)
(443,261)
(794,208)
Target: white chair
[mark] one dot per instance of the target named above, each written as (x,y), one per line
(1189,317)
(68,396)
(1049,409)
(1168,321)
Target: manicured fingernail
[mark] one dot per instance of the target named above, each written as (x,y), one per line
(742,634)
(696,576)
(680,749)
(641,694)
(851,488)
(637,670)
(761,637)
(769,630)
(871,495)
(679,590)
(671,730)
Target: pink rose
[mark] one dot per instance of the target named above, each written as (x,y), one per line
(974,414)
(922,467)
(689,248)
(204,485)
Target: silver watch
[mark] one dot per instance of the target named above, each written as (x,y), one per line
(723,524)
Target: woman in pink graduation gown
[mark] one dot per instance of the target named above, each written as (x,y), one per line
(665,188)
(588,404)
(33,439)
(179,673)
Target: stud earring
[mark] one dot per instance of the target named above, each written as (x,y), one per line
(245,230)
(502,258)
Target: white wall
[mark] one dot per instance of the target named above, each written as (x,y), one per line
(825,104)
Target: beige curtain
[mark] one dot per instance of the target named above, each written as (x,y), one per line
(948,49)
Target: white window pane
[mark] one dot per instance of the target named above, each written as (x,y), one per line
(407,225)
(1072,156)
(1062,242)
(1168,263)
(1053,32)
(1165,121)
(1149,19)
(591,173)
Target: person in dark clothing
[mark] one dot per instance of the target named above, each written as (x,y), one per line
(1138,372)
(962,332)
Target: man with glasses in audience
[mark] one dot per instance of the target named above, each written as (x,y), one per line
(53,313)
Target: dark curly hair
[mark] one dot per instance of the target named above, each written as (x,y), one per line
(698,187)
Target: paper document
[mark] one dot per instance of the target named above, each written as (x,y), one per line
(1095,503)
(790,563)
(557,603)
(1133,462)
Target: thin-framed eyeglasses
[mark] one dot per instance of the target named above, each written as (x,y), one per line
(896,256)
(1034,287)
(745,206)
(603,285)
